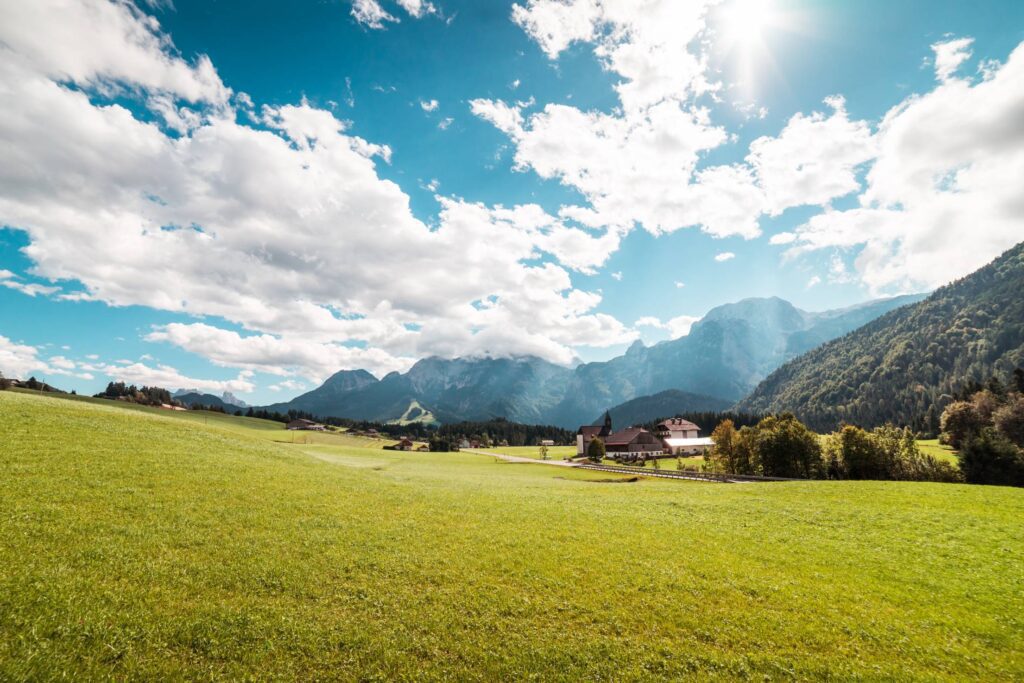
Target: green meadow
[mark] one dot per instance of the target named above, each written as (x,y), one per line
(142,544)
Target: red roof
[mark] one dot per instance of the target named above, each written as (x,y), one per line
(677,424)
(627,436)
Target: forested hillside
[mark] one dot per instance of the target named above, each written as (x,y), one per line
(905,366)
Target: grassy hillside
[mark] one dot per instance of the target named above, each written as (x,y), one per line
(137,544)
(904,367)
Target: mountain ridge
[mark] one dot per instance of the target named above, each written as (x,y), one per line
(724,356)
(904,366)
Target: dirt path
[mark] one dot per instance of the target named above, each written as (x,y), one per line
(516,458)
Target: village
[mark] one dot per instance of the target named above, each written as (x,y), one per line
(672,438)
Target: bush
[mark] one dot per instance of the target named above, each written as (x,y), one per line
(1009,420)
(595,450)
(786,448)
(960,420)
(991,458)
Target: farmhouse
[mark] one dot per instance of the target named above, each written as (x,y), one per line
(405,444)
(586,434)
(634,442)
(308,425)
(681,437)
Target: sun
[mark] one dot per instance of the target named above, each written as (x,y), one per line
(746,33)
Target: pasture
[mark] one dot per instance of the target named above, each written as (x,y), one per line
(146,544)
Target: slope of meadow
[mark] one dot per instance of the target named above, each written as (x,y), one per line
(142,545)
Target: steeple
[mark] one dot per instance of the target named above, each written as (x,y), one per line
(607,429)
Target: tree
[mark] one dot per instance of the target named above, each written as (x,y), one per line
(1009,420)
(543,452)
(991,458)
(786,448)
(595,450)
(722,456)
(959,422)
(986,402)
(861,457)
(1018,379)
(4,382)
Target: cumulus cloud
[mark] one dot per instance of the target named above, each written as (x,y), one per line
(19,361)
(169,378)
(724,256)
(12,281)
(947,161)
(950,55)
(676,327)
(369,13)
(429,105)
(813,160)
(283,227)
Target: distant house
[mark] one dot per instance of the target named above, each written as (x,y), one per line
(681,437)
(687,446)
(586,434)
(373,433)
(404,444)
(632,443)
(307,425)
(422,448)
(547,442)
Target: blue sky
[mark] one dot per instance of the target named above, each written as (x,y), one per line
(136,195)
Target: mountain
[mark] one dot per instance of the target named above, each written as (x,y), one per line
(725,355)
(227,398)
(663,404)
(520,389)
(904,366)
(194,398)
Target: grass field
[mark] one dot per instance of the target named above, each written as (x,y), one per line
(554,452)
(142,545)
(933,448)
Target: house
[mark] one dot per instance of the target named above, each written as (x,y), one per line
(372,433)
(547,442)
(307,425)
(633,443)
(687,446)
(681,437)
(403,445)
(587,433)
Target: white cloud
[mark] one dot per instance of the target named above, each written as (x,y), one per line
(11,281)
(724,256)
(617,276)
(369,13)
(429,105)
(813,282)
(949,56)
(169,378)
(417,8)
(676,327)
(18,361)
(943,196)
(813,160)
(680,285)
(288,231)
(277,356)
(444,123)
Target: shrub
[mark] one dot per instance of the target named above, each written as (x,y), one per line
(595,450)
(991,458)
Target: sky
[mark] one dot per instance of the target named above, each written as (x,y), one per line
(248,196)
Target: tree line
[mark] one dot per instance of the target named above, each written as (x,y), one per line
(782,446)
(986,426)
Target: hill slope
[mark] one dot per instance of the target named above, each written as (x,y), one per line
(725,355)
(144,546)
(903,366)
(663,404)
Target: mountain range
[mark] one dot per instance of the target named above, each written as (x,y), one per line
(905,366)
(227,400)
(725,355)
